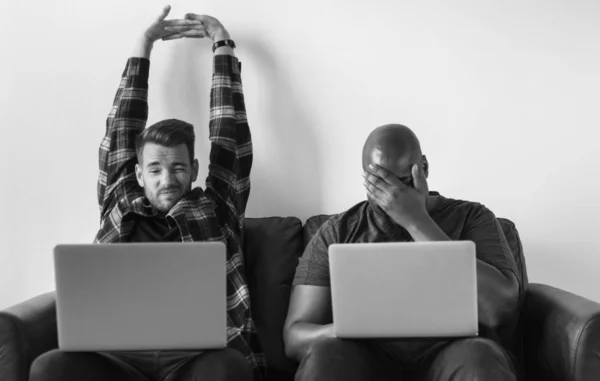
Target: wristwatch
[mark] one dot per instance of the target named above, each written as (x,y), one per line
(218,44)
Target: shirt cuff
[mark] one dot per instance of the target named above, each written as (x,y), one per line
(311,280)
(137,66)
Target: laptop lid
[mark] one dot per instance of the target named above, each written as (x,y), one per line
(404,289)
(141,296)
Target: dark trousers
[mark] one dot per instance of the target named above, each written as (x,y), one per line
(369,360)
(220,365)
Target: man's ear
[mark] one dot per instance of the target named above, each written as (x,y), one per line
(138,175)
(194,170)
(425,167)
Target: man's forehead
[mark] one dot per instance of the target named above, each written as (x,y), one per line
(154,152)
(157,149)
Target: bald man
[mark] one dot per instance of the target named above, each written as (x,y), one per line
(400,208)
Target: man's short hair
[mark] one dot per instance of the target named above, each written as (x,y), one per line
(168,133)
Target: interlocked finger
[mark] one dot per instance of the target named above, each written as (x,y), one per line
(181,22)
(194,33)
(172,37)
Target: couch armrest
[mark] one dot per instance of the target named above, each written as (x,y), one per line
(27,330)
(562,335)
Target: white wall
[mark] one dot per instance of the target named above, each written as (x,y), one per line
(504,96)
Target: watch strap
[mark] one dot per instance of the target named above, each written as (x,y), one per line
(218,44)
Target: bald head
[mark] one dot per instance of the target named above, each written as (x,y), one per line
(396,148)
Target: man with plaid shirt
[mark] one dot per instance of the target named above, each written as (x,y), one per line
(145,195)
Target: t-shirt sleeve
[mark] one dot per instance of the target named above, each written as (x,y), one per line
(484,229)
(313,267)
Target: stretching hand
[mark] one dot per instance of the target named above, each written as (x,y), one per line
(205,26)
(162,29)
(158,30)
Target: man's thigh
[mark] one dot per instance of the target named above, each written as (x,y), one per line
(57,365)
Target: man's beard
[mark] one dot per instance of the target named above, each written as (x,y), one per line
(165,206)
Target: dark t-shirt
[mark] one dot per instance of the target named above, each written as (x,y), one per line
(460,220)
(154,229)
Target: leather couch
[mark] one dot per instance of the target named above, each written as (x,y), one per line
(559,331)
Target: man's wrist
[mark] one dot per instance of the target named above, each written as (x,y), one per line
(221,34)
(419,223)
(424,228)
(143,47)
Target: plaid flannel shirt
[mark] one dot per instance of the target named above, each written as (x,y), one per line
(216,214)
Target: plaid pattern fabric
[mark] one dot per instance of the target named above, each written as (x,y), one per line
(216,214)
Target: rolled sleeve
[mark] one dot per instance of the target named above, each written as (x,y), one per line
(491,244)
(313,267)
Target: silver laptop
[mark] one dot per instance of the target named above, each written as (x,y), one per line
(141,296)
(404,290)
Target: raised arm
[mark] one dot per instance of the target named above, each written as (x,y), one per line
(230,161)
(231,142)
(127,118)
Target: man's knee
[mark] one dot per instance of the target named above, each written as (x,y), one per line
(58,365)
(480,352)
(484,359)
(472,359)
(233,364)
(50,366)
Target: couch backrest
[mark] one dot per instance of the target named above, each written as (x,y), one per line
(272,247)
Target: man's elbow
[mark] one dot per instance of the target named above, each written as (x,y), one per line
(512,288)
(289,344)
(508,299)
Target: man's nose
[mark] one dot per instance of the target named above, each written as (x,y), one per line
(169,178)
